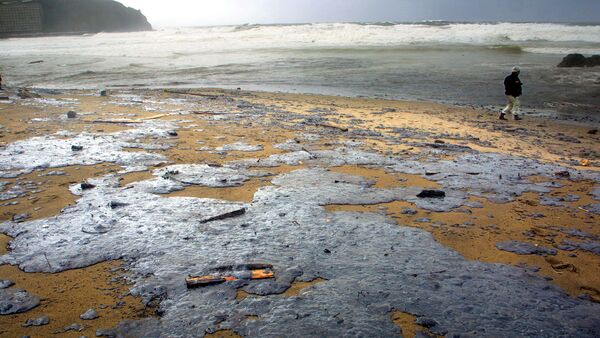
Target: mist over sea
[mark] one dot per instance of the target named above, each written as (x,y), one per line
(463,63)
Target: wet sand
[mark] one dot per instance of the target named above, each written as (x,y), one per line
(472,232)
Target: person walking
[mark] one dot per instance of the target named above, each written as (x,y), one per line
(0,81)
(513,90)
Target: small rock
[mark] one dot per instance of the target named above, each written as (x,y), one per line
(409,211)
(431,194)
(116,205)
(72,327)
(585,296)
(41,321)
(105,333)
(21,218)
(90,314)
(327,251)
(593,132)
(172,133)
(76,148)
(24,93)
(521,248)
(426,322)
(71,114)
(589,246)
(5,283)
(16,301)
(87,186)
(562,174)
(103,93)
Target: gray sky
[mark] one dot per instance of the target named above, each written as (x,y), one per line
(215,12)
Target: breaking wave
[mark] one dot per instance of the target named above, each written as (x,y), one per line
(418,60)
(421,33)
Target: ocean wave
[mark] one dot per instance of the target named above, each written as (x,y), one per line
(422,32)
(188,42)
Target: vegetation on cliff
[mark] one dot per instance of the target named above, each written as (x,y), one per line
(91,16)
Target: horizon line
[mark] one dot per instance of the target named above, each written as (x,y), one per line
(575,23)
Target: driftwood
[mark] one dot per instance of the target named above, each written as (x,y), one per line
(208,113)
(114,121)
(193,94)
(140,120)
(231,214)
(246,272)
(155,117)
(326,125)
(251,266)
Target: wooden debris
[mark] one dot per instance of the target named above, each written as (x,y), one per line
(327,125)
(231,273)
(231,214)
(193,94)
(114,121)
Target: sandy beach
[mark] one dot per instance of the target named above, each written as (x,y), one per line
(328,185)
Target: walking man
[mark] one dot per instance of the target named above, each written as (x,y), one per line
(513,90)
(0,81)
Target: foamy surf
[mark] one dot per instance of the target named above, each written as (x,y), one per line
(450,62)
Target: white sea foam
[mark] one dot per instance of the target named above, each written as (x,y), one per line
(377,60)
(181,42)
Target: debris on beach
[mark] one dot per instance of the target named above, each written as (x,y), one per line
(90,314)
(86,186)
(167,210)
(231,214)
(431,194)
(231,273)
(24,93)
(40,321)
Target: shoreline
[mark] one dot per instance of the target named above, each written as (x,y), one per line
(570,115)
(348,157)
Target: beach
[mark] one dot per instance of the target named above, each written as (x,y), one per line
(113,208)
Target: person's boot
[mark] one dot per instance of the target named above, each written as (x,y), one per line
(502,116)
(517,117)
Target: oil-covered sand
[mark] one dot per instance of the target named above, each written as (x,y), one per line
(329,185)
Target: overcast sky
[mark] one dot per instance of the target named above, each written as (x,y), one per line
(216,12)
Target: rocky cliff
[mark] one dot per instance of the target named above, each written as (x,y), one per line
(91,16)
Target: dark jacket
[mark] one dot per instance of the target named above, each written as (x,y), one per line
(513,85)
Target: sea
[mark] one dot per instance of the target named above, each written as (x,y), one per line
(448,62)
